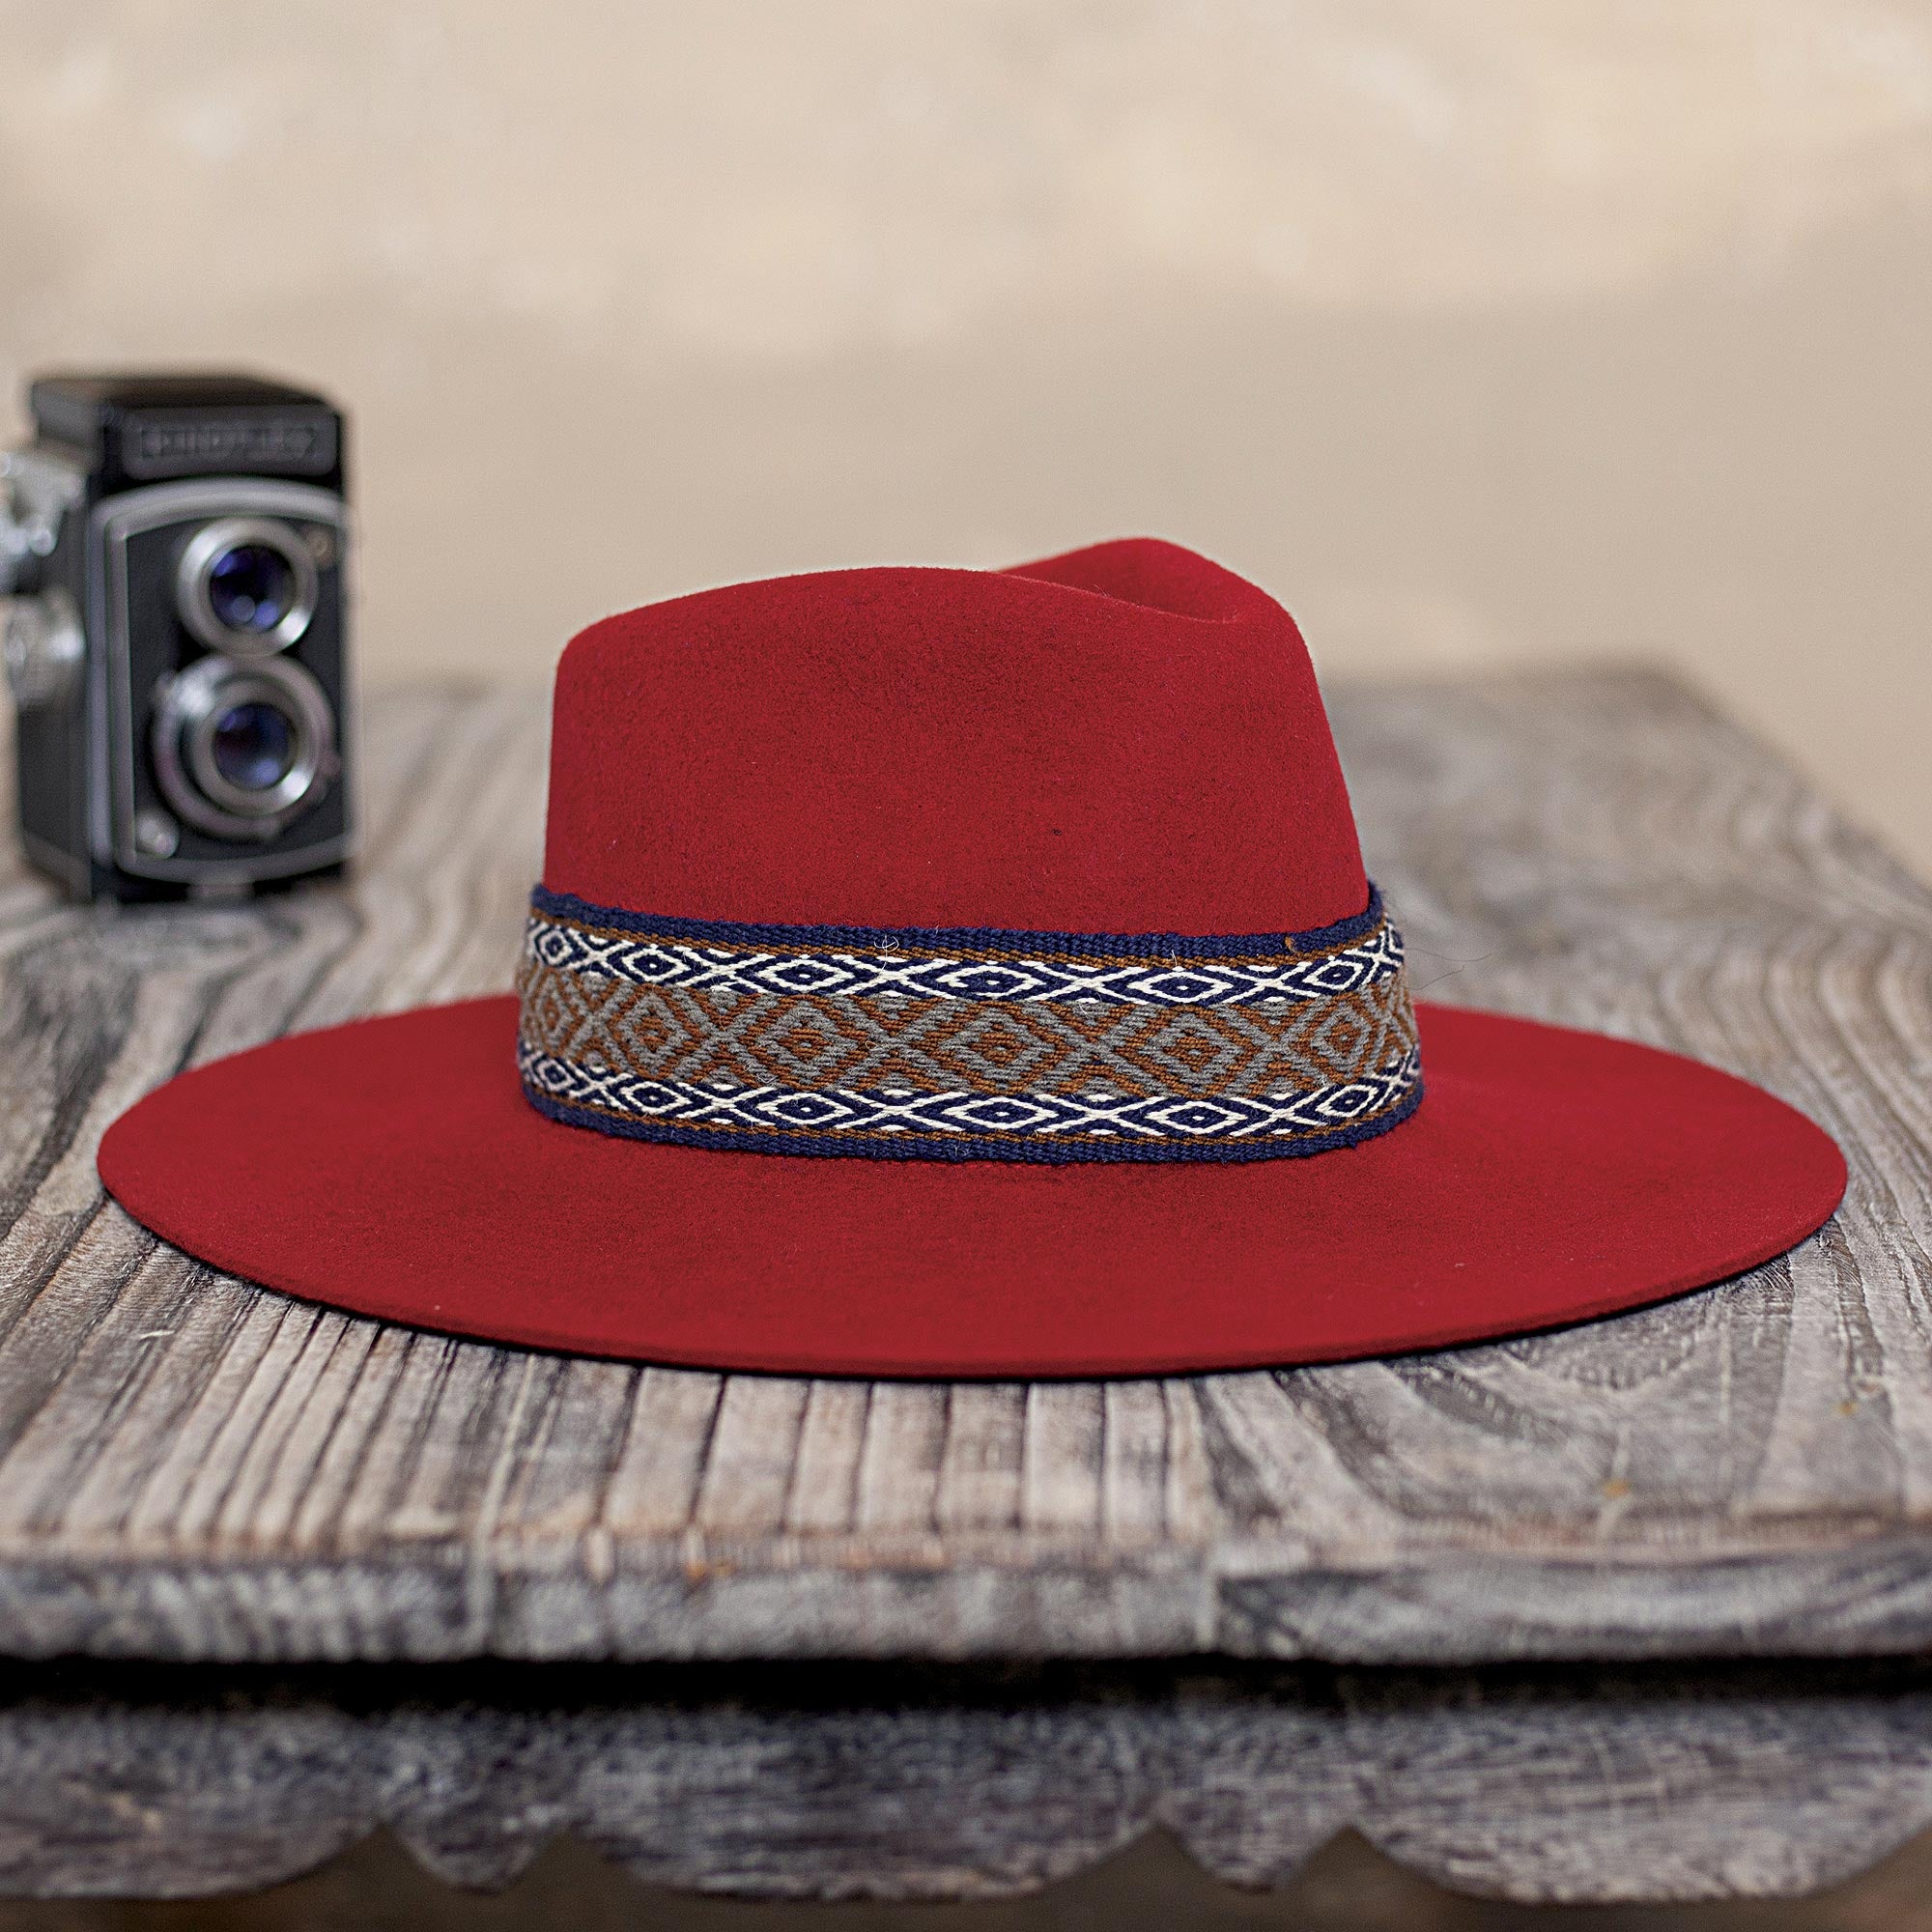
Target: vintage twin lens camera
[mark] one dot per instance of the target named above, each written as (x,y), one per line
(172,553)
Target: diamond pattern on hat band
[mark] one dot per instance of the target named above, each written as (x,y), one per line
(958,1045)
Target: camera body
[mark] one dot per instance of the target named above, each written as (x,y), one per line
(176,551)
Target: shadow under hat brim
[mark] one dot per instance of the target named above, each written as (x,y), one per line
(393,1168)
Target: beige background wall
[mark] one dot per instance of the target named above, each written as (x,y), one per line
(1480,330)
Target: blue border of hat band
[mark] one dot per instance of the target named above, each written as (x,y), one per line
(967,938)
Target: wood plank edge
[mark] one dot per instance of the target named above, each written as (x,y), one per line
(437,1603)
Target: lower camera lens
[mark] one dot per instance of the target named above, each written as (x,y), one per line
(253,745)
(250,587)
(241,746)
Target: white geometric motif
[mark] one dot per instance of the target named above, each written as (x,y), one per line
(764,1110)
(654,960)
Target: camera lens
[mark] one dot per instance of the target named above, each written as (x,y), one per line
(246,586)
(240,745)
(253,745)
(250,587)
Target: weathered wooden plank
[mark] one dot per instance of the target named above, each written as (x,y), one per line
(904,1452)
(1062,1474)
(191,1466)
(660,1468)
(1590,1784)
(825,1476)
(1133,1470)
(748,1472)
(557,1493)
(980,1474)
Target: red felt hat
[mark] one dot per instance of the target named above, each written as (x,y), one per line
(959,973)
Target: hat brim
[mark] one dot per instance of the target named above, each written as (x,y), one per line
(393,1168)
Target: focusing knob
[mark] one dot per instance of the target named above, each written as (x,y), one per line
(44,648)
(36,491)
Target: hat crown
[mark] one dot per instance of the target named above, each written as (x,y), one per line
(1123,739)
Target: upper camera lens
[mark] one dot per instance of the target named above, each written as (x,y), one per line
(251,587)
(253,745)
(247,585)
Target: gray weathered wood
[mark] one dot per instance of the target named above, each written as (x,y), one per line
(191,1467)
(897,1782)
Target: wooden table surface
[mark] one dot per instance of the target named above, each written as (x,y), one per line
(191,1467)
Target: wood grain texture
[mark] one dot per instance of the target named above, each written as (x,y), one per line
(194,1468)
(1599,1783)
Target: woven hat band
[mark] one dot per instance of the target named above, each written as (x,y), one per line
(962,1045)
